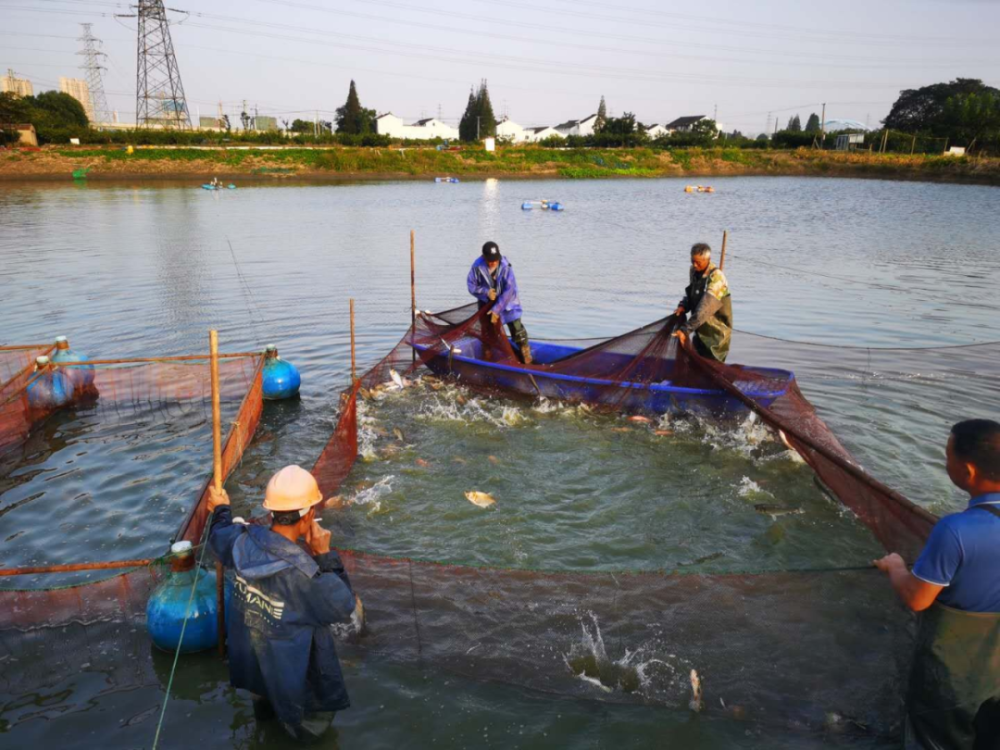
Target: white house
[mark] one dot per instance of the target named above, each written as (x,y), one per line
(684,124)
(533,135)
(656,130)
(578,127)
(394,127)
(509,130)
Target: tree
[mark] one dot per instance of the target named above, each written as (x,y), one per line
(478,121)
(705,126)
(973,116)
(352,118)
(301,126)
(794,125)
(61,109)
(602,116)
(812,125)
(923,109)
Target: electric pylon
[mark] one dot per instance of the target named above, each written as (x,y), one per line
(100,113)
(159,93)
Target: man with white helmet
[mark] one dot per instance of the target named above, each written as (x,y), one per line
(287,594)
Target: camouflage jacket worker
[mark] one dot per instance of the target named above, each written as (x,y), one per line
(710,312)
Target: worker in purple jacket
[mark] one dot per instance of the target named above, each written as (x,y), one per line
(491,279)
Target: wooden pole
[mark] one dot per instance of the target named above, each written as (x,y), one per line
(220,579)
(413,289)
(354,377)
(73,567)
(913,145)
(722,255)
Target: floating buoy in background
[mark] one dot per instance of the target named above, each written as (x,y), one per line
(706,189)
(49,387)
(690,189)
(172,602)
(545,205)
(231,186)
(281,379)
(527,206)
(556,206)
(82,376)
(446,179)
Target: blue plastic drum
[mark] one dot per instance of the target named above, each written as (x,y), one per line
(281,379)
(82,377)
(49,388)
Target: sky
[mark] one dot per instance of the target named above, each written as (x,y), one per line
(546,61)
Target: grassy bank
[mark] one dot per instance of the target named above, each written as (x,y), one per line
(387,163)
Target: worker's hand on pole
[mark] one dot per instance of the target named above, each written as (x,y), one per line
(216,498)
(889,563)
(318,539)
(494,318)
(492,295)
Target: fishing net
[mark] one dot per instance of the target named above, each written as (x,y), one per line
(85,610)
(16,366)
(803,649)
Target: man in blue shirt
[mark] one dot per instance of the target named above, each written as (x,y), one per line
(953,699)
(491,279)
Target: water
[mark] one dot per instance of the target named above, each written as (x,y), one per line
(134,271)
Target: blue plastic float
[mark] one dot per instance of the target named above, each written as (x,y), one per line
(281,379)
(446,179)
(542,204)
(172,602)
(81,377)
(49,388)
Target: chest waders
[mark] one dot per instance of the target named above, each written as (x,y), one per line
(953,698)
(716,333)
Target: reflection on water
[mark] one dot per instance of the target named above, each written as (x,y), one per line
(127,271)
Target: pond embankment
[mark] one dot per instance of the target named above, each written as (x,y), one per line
(333,163)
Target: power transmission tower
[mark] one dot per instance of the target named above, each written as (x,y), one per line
(99,111)
(159,93)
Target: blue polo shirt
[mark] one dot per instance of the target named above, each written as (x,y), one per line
(963,554)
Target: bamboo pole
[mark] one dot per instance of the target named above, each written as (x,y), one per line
(722,255)
(354,377)
(413,290)
(220,580)
(74,567)
(148,360)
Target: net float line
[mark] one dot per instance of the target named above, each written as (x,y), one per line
(76,567)
(147,360)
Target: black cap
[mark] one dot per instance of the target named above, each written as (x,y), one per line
(491,251)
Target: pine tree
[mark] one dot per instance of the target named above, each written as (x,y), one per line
(352,118)
(812,125)
(795,124)
(487,120)
(467,125)
(602,116)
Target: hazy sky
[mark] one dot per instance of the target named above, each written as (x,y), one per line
(546,61)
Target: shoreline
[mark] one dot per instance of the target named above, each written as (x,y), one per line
(339,164)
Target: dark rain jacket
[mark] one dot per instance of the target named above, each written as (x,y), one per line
(710,306)
(480,281)
(284,601)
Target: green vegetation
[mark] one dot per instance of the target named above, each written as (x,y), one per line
(478,121)
(352,118)
(55,115)
(966,111)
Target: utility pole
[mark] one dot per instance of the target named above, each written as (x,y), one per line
(99,111)
(316,125)
(822,126)
(159,93)
(767,127)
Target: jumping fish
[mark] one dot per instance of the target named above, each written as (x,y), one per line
(460,399)
(480,499)
(663,433)
(696,702)
(398,433)
(640,419)
(420,462)
(397,379)
(493,459)
(777,510)
(620,429)
(458,460)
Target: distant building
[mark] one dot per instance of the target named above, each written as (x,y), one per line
(210,123)
(578,127)
(850,141)
(422,130)
(533,135)
(80,91)
(18,86)
(265,123)
(656,130)
(511,131)
(684,124)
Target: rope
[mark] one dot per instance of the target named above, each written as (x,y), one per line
(180,642)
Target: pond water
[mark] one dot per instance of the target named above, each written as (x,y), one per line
(145,270)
